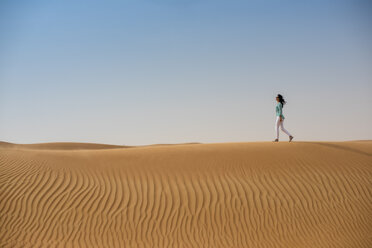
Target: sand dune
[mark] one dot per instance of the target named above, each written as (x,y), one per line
(259,194)
(73,146)
(60,146)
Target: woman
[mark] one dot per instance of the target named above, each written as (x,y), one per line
(280,118)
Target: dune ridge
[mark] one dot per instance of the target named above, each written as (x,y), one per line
(74,146)
(244,194)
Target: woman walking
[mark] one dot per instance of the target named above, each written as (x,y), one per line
(280,118)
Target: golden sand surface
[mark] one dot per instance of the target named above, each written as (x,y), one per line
(243,194)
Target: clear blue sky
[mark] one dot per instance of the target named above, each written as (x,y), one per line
(161,71)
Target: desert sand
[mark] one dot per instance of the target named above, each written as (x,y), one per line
(244,194)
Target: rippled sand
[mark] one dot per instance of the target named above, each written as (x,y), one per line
(258,194)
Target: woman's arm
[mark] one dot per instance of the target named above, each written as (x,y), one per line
(280,111)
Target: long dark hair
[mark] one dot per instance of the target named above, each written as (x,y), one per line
(281,100)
